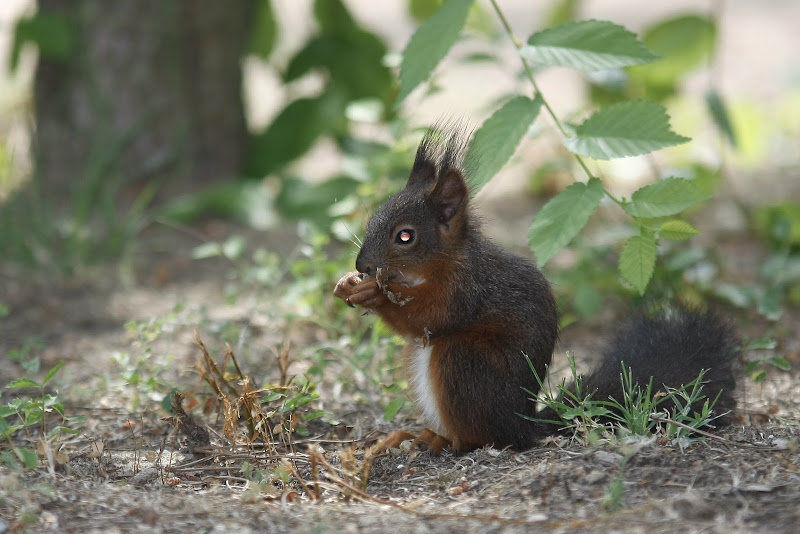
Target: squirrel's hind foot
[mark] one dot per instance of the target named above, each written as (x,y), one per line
(427,438)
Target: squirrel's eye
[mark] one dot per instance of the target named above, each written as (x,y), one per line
(405,236)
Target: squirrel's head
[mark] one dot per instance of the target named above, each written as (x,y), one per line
(428,220)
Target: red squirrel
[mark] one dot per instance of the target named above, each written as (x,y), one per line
(470,312)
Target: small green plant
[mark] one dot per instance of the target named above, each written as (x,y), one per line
(27,415)
(142,369)
(572,408)
(641,411)
(757,369)
(26,356)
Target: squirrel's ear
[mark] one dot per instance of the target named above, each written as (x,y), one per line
(450,196)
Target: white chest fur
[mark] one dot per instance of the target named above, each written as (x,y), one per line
(422,385)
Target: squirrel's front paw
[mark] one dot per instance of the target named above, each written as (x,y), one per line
(368,294)
(344,287)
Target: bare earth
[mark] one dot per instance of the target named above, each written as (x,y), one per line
(745,480)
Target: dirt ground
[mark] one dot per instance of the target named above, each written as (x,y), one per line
(745,479)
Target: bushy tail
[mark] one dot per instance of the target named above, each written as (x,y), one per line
(672,347)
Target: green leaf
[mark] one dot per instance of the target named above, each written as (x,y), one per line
(626,129)
(7,430)
(564,215)
(299,199)
(62,430)
(293,132)
(263,30)
(53,34)
(684,42)
(763,343)
(430,43)
(27,456)
(758,376)
(562,11)
(677,230)
(423,9)
(781,363)
(52,372)
(23,383)
(666,197)
(588,45)
(392,408)
(637,261)
(497,138)
(352,56)
(720,116)
(272,397)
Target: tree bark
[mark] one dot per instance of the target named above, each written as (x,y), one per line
(152,92)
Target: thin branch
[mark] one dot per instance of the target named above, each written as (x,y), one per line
(529,73)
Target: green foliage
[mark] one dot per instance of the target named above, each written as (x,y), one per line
(143,369)
(637,260)
(668,196)
(53,35)
(292,132)
(430,43)
(498,137)
(352,60)
(564,215)
(586,45)
(264,31)
(93,229)
(27,414)
(721,116)
(624,129)
(641,412)
(684,42)
(756,370)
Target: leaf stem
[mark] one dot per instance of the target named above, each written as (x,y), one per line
(529,73)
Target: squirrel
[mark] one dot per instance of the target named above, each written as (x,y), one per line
(470,312)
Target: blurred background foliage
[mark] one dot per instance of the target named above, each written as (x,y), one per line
(150,114)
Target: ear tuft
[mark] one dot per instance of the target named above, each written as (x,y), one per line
(441,149)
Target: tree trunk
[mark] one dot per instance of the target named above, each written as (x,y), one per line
(152,92)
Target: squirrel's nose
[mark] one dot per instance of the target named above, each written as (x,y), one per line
(364,266)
